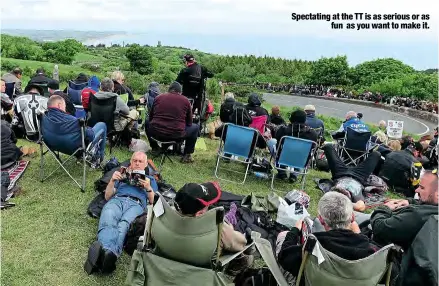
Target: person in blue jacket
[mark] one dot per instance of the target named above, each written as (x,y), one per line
(61,130)
(352,121)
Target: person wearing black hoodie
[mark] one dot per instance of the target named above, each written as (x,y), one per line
(254,106)
(226,108)
(342,236)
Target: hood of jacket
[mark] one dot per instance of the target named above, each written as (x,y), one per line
(94,83)
(105,94)
(253,100)
(229,100)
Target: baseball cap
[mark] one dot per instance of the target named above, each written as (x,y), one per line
(188,57)
(53,84)
(310,107)
(193,197)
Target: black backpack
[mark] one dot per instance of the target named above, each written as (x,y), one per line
(240,115)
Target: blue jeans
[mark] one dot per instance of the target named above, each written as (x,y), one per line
(116,217)
(271,144)
(100,131)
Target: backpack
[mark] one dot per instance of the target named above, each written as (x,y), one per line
(240,115)
(194,79)
(255,277)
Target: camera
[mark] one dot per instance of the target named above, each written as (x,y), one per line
(132,177)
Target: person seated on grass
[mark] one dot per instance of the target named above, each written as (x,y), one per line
(227,106)
(401,169)
(120,88)
(126,198)
(380,136)
(39,77)
(125,117)
(53,87)
(342,235)
(57,123)
(14,77)
(350,180)
(7,104)
(254,106)
(10,152)
(193,200)
(399,220)
(275,118)
(170,119)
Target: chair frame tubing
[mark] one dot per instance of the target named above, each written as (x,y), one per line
(304,173)
(62,164)
(219,156)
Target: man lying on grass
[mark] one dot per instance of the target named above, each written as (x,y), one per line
(128,193)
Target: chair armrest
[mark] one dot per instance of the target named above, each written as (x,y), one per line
(225,259)
(81,122)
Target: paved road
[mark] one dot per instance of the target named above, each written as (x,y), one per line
(339,109)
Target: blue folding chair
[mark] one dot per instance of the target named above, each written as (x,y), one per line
(293,154)
(74,91)
(239,145)
(80,112)
(355,146)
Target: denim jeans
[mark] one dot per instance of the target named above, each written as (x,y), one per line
(271,144)
(116,217)
(100,131)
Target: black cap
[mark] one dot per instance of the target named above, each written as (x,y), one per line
(31,85)
(188,57)
(192,197)
(53,84)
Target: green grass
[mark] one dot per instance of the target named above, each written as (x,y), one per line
(85,57)
(45,237)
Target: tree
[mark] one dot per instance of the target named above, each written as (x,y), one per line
(140,59)
(370,72)
(330,71)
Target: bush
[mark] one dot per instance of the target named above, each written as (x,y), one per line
(213,90)
(239,90)
(135,82)
(28,71)
(6,65)
(91,67)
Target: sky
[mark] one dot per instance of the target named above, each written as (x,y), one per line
(242,26)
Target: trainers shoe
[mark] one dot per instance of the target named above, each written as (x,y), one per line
(187,159)
(108,262)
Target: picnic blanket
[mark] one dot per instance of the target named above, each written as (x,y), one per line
(15,172)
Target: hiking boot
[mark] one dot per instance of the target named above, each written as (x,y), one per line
(187,159)
(94,258)
(239,264)
(108,262)
(281,176)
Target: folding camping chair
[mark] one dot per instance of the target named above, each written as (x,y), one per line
(292,155)
(102,110)
(321,267)
(320,140)
(258,123)
(74,91)
(166,148)
(10,90)
(239,145)
(65,146)
(180,250)
(354,147)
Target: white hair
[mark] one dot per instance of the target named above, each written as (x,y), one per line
(382,123)
(117,76)
(351,114)
(229,95)
(336,210)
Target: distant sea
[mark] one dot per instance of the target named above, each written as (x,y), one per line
(420,55)
(417,54)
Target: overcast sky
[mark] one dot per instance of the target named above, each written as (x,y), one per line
(240,18)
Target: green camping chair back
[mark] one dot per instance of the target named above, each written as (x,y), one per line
(321,267)
(191,240)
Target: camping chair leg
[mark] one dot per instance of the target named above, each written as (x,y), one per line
(217,166)
(41,163)
(84,163)
(61,165)
(246,172)
(303,182)
(388,274)
(302,266)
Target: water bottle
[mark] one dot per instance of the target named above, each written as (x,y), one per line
(261,175)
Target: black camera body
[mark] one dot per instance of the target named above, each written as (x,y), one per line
(132,177)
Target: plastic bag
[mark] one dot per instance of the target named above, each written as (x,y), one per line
(288,215)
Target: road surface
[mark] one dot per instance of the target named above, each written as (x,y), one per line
(339,109)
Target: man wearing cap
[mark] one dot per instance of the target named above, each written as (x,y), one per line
(193,200)
(311,119)
(192,79)
(401,169)
(125,201)
(170,119)
(14,77)
(39,77)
